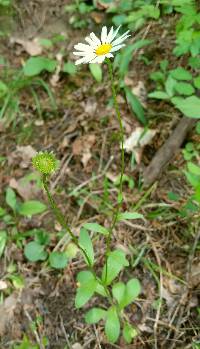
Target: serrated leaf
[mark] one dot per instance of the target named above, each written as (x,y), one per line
(181,74)
(58,260)
(35,65)
(11,199)
(97,228)
(30,208)
(158,95)
(86,243)
(129,332)
(35,252)
(112,326)
(85,292)
(135,105)
(129,215)
(96,71)
(115,263)
(94,315)
(132,290)
(3,239)
(189,106)
(118,290)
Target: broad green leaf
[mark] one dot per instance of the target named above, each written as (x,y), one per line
(181,74)
(193,168)
(84,276)
(184,88)
(129,215)
(132,291)
(192,179)
(69,68)
(46,43)
(94,315)
(129,332)
(86,243)
(31,207)
(85,292)
(35,65)
(115,263)
(135,105)
(170,85)
(58,260)
(11,199)
(3,239)
(197,82)
(112,326)
(101,290)
(189,106)
(71,250)
(35,252)
(96,71)
(97,228)
(158,95)
(17,281)
(118,290)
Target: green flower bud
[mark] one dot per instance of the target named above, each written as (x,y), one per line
(45,163)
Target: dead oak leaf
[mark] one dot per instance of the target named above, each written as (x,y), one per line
(82,146)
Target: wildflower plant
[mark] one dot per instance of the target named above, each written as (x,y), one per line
(118,294)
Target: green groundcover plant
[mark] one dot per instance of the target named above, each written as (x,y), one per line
(105,283)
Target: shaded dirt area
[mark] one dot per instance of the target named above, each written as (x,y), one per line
(83,133)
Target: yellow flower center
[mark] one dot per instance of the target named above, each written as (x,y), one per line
(103,49)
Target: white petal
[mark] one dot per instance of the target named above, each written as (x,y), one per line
(98,59)
(115,33)
(91,42)
(83,47)
(119,40)
(95,39)
(76,53)
(104,35)
(116,48)
(109,55)
(85,59)
(110,34)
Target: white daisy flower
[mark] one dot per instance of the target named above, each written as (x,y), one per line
(96,50)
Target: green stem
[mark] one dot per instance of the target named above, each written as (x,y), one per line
(61,220)
(120,196)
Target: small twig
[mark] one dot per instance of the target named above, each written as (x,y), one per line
(37,337)
(97,337)
(65,333)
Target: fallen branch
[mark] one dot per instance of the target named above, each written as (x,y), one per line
(167,151)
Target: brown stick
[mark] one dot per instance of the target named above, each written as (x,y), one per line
(167,151)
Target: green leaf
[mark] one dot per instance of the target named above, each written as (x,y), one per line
(197,82)
(31,207)
(97,228)
(181,74)
(46,43)
(11,199)
(118,290)
(183,88)
(170,85)
(58,260)
(86,243)
(94,315)
(69,68)
(126,56)
(129,332)
(85,292)
(194,169)
(132,290)
(35,65)
(84,276)
(189,106)
(17,281)
(101,290)
(158,95)
(35,252)
(112,326)
(96,71)
(192,179)
(115,263)
(135,105)
(129,215)
(3,89)
(3,239)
